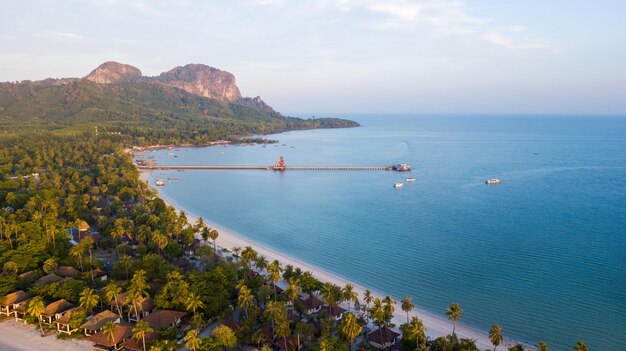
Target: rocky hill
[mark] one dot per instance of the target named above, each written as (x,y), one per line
(191,104)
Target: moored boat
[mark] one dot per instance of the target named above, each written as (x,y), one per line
(493,181)
(409,179)
(398,185)
(160,182)
(402,167)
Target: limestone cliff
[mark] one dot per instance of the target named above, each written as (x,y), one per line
(114,72)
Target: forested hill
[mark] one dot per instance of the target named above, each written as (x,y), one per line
(143,110)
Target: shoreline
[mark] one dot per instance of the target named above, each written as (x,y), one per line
(436,325)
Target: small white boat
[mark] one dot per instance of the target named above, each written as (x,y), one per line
(398,185)
(493,181)
(160,182)
(409,179)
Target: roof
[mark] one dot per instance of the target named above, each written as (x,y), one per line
(163,318)
(83,226)
(121,333)
(121,299)
(312,302)
(57,307)
(67,316)
(21,307)
(273,286)
(97,273)
(98,321)
(334,310)
(15,297)
(196,244)
(232,324)
(48,279)
(28,275)
(137,344)
(66,271)
(388,335)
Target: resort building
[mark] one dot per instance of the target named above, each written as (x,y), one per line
(67,272)
(383,338)
(55,311)
(48,279)
(64,323)
(312,304)
(19,312)
(164,318)
(106,342)
(144,308)
(11,301)
(335,311)
(98,321)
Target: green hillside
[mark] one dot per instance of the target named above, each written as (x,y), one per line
(144,113)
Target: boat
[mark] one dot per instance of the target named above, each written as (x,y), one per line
(160,182)
(402,167)
(172,178)
(493,181)
(398,185)
(409,179)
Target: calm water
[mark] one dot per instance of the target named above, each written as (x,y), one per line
(543,253)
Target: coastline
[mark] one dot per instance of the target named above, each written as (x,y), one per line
(436,325)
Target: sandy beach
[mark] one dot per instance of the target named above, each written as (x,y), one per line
(16,336)
(436,325)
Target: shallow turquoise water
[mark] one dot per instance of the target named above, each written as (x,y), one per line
(543,253)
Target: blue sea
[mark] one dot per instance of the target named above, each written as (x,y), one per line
(543,253)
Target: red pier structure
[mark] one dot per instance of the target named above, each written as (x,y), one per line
(280,166)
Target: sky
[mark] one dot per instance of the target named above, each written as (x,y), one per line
(346,56)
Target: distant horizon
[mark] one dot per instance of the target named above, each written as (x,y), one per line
(446,56)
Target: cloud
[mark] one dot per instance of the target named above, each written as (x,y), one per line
(61,36)
(446,18)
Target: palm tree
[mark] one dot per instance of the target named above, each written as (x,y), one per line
(416,330)
(377,313)
(125,261)
(192,341)
(35,308)
(77,252)
(580,346)
(245,299)
(273,311)
(137,291)
(193,302)
(273,275)
(261,263)
(160,240)
(350,328)
(213,234)
(495,335)
(468,345)
(350,295)
(542,346)
(248,255)
(109,330)
(331,294)
(454,313)
(282,328)
(140,330)
(88,300)
(388,308)
(293,289)
(111,292)
(407,306)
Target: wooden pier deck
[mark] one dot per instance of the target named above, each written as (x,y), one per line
(270,168)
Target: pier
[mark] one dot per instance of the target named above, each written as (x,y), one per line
(278,166)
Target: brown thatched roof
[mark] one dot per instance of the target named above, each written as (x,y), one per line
(312,302)
(66,271)
(67,316)
(121,333)
(15,297)
(48,279)
(163,318)
(137,344)
(388,335)
(98,321)
(83,226)
(58,306)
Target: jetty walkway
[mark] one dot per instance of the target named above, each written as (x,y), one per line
(270,168)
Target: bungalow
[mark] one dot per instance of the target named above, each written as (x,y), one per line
(19,312)
(55,311)
(104,341)
(29,276)
(64,323)
(67,271)
(164,318)
(335,311)
(133,344)
(48,279)
(99,274)
(190,250)
(291,342)
(144,308)
(120,302)
(11,301)
(312,304)
(98,321)
(383,338)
